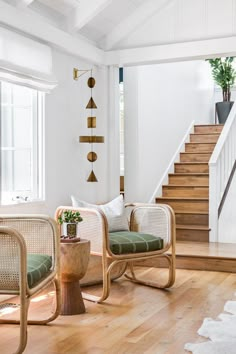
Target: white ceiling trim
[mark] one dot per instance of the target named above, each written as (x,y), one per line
(33,25)
(173,52)
(132,22)
(85,12)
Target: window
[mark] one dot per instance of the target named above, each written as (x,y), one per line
(21,144)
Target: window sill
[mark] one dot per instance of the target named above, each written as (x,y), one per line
(32,207)
(23,202)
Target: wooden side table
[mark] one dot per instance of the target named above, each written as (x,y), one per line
(74,263)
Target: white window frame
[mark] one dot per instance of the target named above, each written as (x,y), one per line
(37,192)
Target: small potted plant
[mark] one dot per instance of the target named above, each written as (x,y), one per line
(69,221)
(224,75)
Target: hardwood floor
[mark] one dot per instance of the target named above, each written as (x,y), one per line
(135,318)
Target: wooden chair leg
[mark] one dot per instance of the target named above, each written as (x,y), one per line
(169,282)
(57,306)
(24,307)
(23,321)
(106,285)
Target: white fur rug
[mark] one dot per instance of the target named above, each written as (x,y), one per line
(221,332)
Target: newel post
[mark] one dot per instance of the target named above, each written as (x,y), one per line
(213,206)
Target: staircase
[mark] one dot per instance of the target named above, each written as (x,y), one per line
(187,191)
(188,194)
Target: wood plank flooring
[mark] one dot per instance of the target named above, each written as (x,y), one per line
(134,320)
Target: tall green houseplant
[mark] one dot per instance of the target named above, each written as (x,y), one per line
(224,74)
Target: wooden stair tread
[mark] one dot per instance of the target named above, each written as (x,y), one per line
(211,133)
(199,142)
(200,255)
(192,213)
(188,174)
(196,153)
(204,249)
(208,125)
(192,227)
(192,163)
(183,198)
(185,186)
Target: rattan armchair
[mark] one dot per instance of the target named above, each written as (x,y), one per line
(155,219)
(26,239)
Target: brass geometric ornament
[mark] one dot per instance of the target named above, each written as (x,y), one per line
(91,104)
(91,82)
(92,156)
(92,177)
(91,122)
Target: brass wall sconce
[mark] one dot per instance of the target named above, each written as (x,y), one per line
(91,122)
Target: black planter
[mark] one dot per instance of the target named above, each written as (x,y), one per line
(222,110)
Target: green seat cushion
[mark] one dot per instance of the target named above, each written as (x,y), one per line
(123,242)
(38,265)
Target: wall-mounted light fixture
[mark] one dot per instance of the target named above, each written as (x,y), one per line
(91,122)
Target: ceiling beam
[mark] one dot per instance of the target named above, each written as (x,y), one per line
(24,3)
(85,12)
(64,7)
(137,18)
(175,52)
(34,26)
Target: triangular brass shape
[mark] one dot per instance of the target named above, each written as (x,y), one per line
(91,103)
(92,177)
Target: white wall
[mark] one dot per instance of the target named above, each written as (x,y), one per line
(226,231)
(219,97)
(160,103)
(67,168)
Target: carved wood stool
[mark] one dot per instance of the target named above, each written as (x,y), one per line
(74,263)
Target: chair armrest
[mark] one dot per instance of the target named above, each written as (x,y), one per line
(155,219)
(94,227)
(40,233)
(13,259)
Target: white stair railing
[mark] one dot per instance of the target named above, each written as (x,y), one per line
(220,167)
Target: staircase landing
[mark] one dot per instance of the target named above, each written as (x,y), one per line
(202,256)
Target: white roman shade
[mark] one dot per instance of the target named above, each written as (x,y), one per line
(24,61)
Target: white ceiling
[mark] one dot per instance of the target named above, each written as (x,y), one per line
(127,32)
(92,19)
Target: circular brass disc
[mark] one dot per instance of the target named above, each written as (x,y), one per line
(92,156)
(91,82)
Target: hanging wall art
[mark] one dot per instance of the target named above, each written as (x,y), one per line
(91,122)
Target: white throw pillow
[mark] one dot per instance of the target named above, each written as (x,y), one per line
(114,211)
